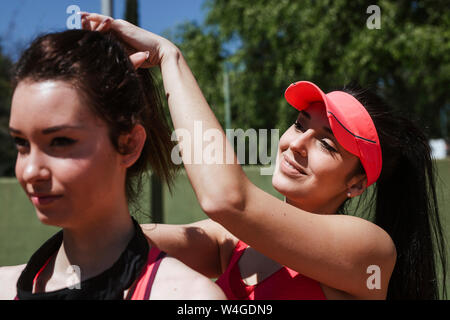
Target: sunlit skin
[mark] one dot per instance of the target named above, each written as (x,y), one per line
(64,161)
(313,170)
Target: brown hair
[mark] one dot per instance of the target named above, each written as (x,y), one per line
(97,65)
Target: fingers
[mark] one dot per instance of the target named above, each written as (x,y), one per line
(94,16)
(104,25)
(95,22)
(85,24)
(139,58)
(136,40)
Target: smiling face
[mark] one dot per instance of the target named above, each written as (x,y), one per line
(65,163)
(313,170)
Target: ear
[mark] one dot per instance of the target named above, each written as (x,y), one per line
(131,145)
(356,185)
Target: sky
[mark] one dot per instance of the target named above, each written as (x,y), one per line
(22,20)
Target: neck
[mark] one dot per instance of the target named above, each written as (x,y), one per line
(331,207)
(95,246)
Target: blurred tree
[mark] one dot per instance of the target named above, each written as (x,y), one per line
(202,48)
(7,149)
(328,42)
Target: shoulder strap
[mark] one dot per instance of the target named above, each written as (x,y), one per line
(237,253)
(142,289)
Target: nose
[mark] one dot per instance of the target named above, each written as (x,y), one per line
(35,168)
(301,142)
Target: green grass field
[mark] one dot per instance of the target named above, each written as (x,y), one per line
(21,233)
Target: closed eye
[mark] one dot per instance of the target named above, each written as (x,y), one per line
(323,143)
(327,146)
(299,126)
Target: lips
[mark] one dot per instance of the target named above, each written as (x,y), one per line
(43,199)
(290,167)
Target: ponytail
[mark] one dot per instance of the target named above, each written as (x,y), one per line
(406,203)
(156,154)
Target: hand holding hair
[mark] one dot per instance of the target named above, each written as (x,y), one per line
(145,48)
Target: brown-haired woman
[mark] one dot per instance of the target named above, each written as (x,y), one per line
(87,125)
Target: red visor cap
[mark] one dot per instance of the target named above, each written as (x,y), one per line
(349,120)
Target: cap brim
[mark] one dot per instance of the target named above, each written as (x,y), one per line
(301,94)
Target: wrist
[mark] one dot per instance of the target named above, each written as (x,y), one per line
(169,52)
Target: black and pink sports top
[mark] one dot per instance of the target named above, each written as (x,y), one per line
(135,271)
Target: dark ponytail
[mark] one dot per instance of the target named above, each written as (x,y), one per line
(406,202)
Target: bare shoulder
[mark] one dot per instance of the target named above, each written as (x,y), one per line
(377,240)
(176,281)
(374,249)
(8,280)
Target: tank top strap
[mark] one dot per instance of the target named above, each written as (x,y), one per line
(38,274)
(229,281)
(40,271)
(143,285)
(237,253)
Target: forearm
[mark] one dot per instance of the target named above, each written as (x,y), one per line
(190,112)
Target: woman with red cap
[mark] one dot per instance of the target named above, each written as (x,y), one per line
(341,143)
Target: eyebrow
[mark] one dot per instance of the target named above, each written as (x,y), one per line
(51,129)
(306,114)
(327,129)
(12,130)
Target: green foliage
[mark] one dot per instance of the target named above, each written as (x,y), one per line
(202,48)
(327,42)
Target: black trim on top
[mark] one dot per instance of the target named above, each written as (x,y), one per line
(109,285)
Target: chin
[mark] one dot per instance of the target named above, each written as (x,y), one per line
(285,186)
(298,191)
(50,218)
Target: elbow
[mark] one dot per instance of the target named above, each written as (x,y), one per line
(223,205)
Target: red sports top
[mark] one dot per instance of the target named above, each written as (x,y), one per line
(284,284)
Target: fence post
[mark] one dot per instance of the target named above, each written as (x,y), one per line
(107,7)
(156,199)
